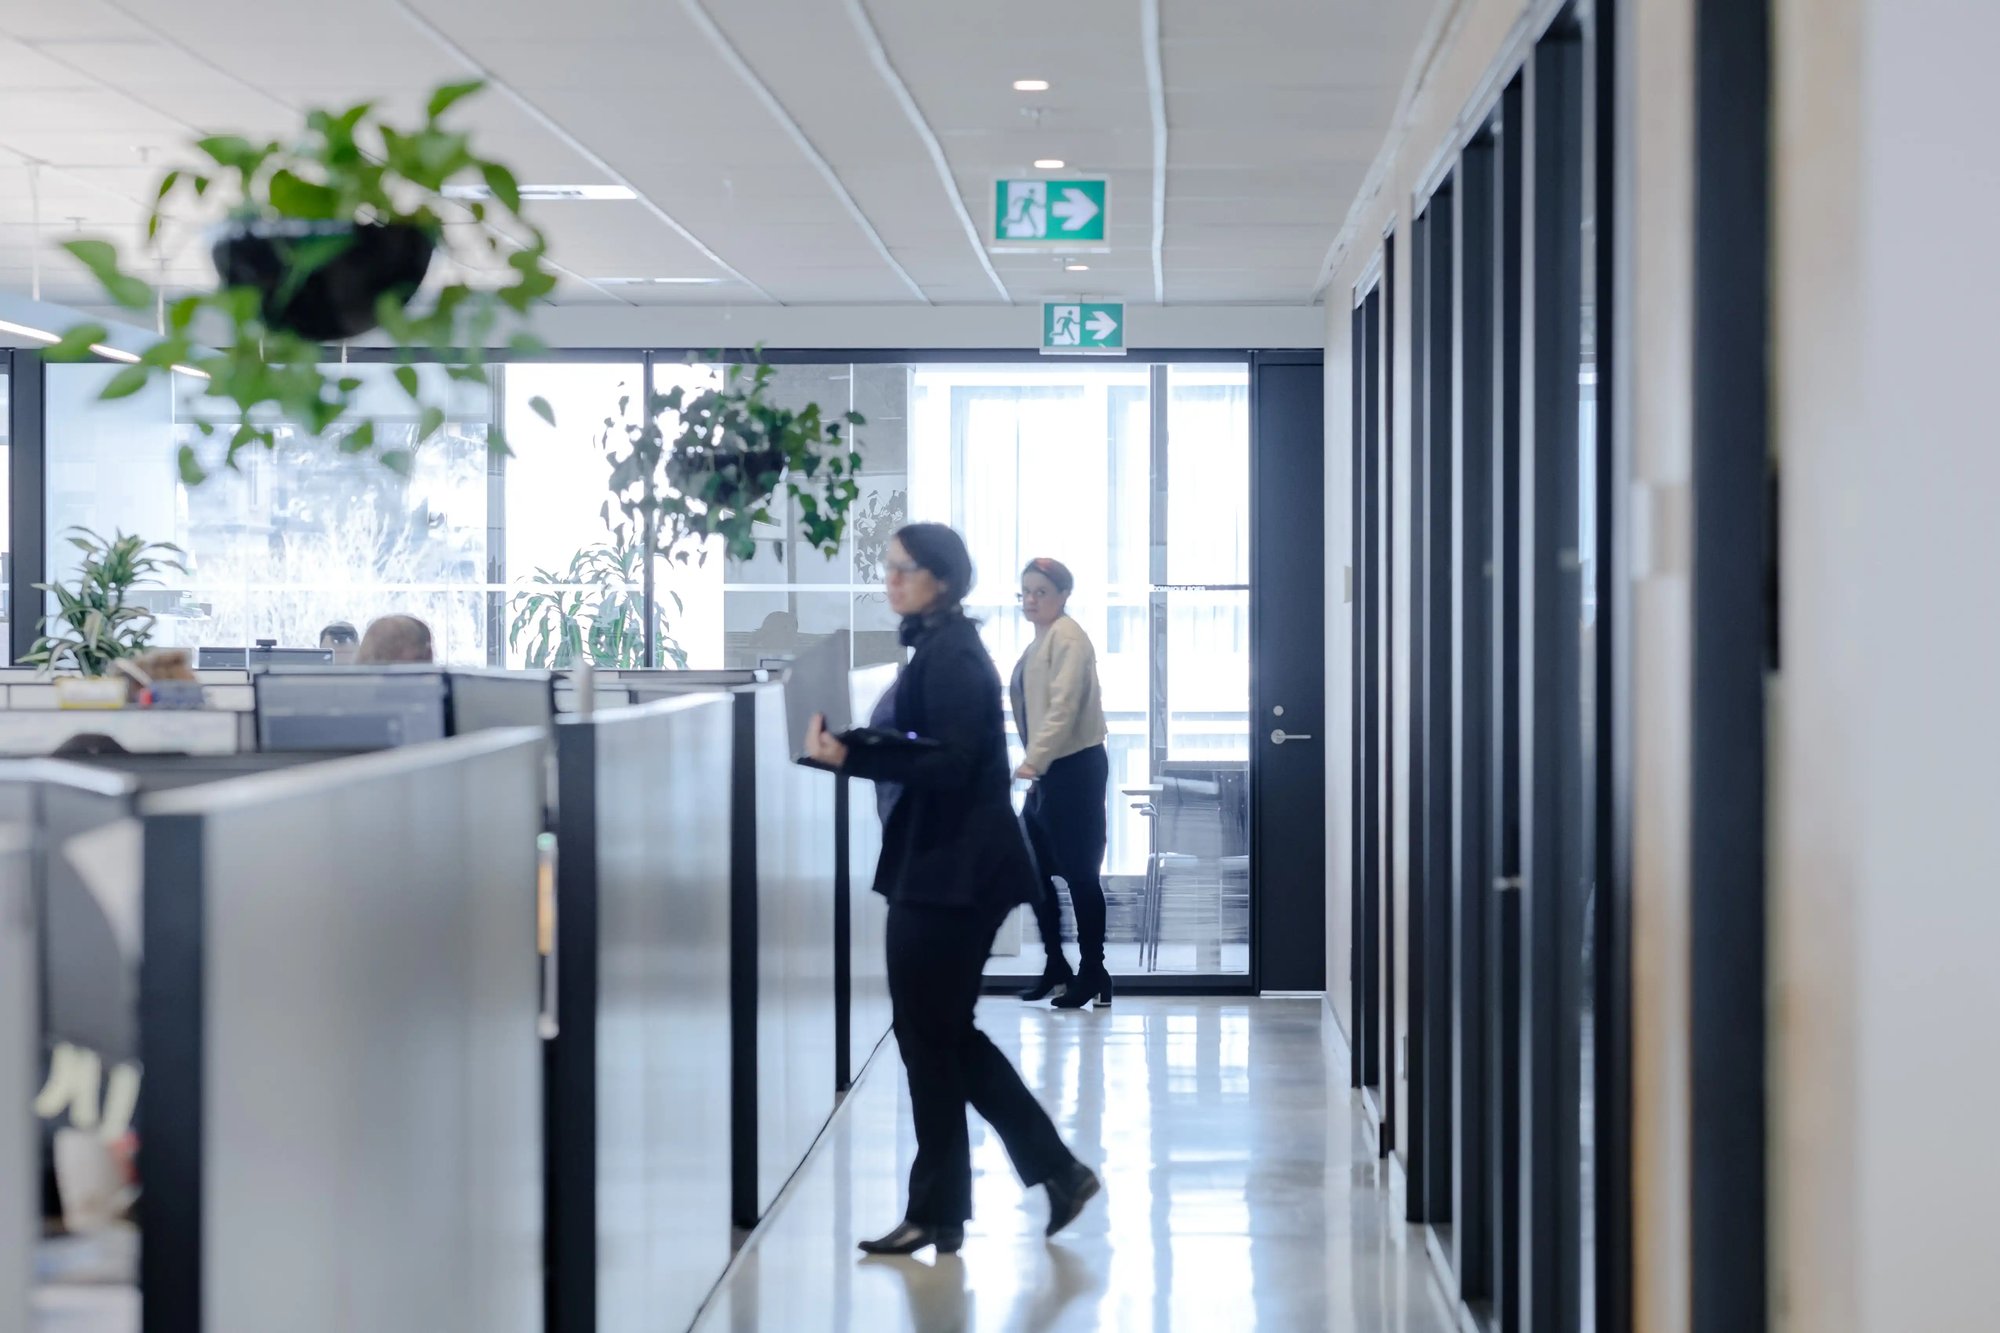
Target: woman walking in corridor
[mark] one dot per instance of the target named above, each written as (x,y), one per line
(953,865)
(1059,711)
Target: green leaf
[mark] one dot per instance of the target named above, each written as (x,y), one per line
(296,197)
(505,188)
(397,461)
(231,150)
(192,472)
(431,422)
(126,382)
(407,377)
(442,99)
(100,257)
(75,343)
(541,408)
(167,184)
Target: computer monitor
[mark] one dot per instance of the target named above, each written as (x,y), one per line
(350,709)
(486,700)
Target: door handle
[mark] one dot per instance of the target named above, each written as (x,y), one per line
(1280,736)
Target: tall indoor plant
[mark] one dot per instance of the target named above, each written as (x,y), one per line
(94,624)
(594,611)
(709,462)
(325,237)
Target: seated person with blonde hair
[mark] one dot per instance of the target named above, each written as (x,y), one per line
(395,640)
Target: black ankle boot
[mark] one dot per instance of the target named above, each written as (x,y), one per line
(909,1237)
(1069,1190)
(1093,983)
(1056,980)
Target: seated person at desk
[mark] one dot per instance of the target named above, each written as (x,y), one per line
(395,640)
(340,639)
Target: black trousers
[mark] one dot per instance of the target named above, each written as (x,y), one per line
(937,957)
(1067,828)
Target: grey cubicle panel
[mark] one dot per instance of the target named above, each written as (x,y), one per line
(639,1072)
(89,996)
(866,915)
(27,732)
(343,1125)
(783,973)
(20,1051)
(486,700)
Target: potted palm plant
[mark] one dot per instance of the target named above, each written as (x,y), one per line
(328,236)
(95,624)
(593,611)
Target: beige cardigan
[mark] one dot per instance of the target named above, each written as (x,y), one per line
(1058,703)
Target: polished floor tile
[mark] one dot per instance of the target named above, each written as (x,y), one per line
(1240,1193)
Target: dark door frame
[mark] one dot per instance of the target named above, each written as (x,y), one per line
(1475,565)
(1503,942)
(1432,577)
(1734,648)
(1288,909)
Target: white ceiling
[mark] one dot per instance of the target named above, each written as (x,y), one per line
(769,141)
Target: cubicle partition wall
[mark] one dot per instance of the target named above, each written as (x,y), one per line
(784,930)
(862,916)
(782,989)
(40,730)
(340,1042)
(20,1175)
(639,1073)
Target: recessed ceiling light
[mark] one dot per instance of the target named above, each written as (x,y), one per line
(548,193)
(1031,85)
(1049,164)
(1075,267)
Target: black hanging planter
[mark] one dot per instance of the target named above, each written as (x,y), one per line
(337,300)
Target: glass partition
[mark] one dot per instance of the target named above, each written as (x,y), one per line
(1136,476)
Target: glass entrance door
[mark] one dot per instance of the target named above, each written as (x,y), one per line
(1137,478)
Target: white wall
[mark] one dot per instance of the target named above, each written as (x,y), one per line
(1890,864)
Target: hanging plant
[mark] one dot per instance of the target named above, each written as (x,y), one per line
(94,624)
(328,237)
(708,462)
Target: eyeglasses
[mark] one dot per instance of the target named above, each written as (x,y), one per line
(906,568)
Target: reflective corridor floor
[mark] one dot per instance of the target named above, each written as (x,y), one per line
(1241,1192)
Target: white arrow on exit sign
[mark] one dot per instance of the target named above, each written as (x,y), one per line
(1075,209)
(1101,325)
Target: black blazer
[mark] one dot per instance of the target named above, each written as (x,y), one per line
(952,838)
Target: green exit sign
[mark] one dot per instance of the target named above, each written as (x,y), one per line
(1083,328)
(1049,212)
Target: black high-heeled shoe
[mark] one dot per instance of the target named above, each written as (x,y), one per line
(1093,983)
(909,1237)
(1056,980)
(1069,1191)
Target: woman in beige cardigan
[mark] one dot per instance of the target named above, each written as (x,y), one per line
(1059,711)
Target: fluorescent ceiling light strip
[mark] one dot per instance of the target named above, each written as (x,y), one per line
(576,145)
(43,335)
(734,59)
(115,353)
(879,54)
(1156,92)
